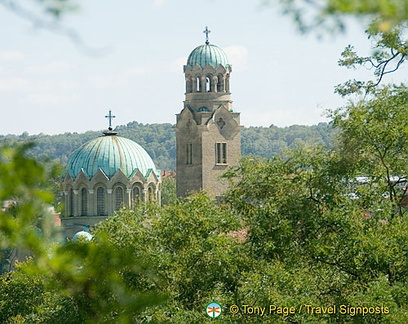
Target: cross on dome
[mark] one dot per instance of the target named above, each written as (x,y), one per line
(206,32)
(110,116)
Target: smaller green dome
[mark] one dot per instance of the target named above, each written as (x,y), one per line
(82,236)
(208,54)
(110,153)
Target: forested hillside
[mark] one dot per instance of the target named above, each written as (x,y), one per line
(160,142)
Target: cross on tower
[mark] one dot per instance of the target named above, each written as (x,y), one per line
(206,32)
(110,116)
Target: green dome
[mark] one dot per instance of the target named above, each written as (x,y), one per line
(208,54)
(82,236)
(110,153)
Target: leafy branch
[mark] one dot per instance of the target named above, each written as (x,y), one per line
(391,51)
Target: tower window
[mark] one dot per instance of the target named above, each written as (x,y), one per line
(100,202)
(84,202)
(189,154)
(118,198)
(188,85)
(203,109)
(220,84)
(198,84)
(221,153)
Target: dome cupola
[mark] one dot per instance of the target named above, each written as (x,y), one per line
(110,153)
(104,175)
(207,69)
(208,54)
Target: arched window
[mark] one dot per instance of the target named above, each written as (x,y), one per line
(150,194)
(198,84)
(71,202)
(189,154)
(84,202)
(227,83)
(215,83)
(119,198)
(193,84)
(100,202)
(221,153)
(208,86)
(188,85)
(220,83)
(137,195)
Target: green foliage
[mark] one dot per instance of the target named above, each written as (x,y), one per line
(313,244)
(271,141)
(319,236)
(26,299)
(168,192)
(23,183)
(374,137)
(267,192)
(71,283)
(189,245)
(77,283)
(390,51)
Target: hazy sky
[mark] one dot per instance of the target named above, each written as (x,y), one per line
(280,77)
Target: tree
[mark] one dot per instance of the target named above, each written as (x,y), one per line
(373,138)
(168,193)
(189,244)
(390,52)
(386,24)
(314,244)
(91,278)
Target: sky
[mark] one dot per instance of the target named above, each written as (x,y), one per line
(50,85)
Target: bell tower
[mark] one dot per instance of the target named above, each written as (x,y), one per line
(208,138)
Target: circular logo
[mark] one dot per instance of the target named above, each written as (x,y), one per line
(213,310)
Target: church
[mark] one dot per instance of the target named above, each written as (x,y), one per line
(103,175)
(111,171)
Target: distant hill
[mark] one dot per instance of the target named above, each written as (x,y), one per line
(159,140)
(269,141)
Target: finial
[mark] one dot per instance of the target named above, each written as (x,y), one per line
(206,32)
(110,117)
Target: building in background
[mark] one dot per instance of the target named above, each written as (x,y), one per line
(103,175)
(208,138)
